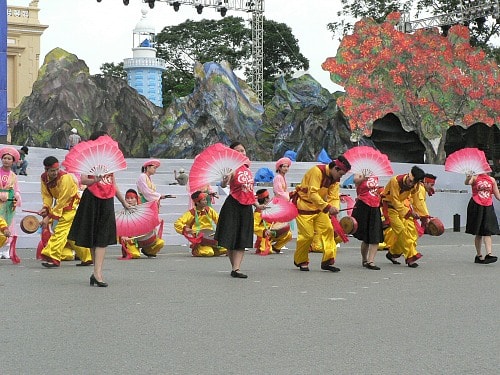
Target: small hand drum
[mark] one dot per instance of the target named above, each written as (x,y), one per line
(30,224)
(435,227)
(349,224)
(208,237)
(280,228)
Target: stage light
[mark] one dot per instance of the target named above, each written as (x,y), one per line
(445,29)
(199,9)
(176,5)
(125,2)
(151,4)
(223,11)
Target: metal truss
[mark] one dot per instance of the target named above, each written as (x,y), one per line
(256,7)
(468,11)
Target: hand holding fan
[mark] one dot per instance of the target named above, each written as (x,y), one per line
(368,161)
(95,158)
(279,210)
(470,161)
(212,164)
(138,220)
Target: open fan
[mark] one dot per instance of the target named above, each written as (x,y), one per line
(368,161)
(471,161)
(95,158)
(279,210)
(138,220)
(212,164)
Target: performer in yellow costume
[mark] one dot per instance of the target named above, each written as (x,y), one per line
(318,197)
(131,247)
(403,239)
(4,230)
(200,218)
(60,201)
(269,239)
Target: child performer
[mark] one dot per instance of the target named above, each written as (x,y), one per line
(202,218)
(271,237)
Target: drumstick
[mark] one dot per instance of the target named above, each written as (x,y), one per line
(32,212)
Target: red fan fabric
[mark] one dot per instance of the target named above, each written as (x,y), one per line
(470,161)
(368,161)
(212,164)
(95,158)
(12,251)
(279,210)
(139,220)
(337,228)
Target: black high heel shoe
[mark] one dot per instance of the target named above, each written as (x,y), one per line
(93,281)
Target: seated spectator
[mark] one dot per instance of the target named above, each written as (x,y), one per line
(22,164)
(182,177)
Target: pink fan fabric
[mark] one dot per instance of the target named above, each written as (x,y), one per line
(96,158)
(279,210)
(139,220)
(212,164)
(468,160)
(368,161)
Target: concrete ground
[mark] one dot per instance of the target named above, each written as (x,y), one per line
(182,315)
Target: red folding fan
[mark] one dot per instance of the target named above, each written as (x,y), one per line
(279,210)
(95,158)
(368,161)
(212,164)
(470,161)
(138,220)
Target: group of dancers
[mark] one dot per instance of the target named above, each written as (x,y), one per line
(391,217)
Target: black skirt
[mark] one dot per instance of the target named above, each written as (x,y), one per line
(235,226)
(94,224)
(481,220)
(369,223)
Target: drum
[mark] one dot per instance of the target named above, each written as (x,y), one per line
(435,227)
(208,237)
(280,228)
(30,224)
(146,240)
(349,224)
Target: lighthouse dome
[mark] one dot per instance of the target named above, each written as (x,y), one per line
(144,26)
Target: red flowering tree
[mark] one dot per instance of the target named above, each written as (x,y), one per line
(429,81)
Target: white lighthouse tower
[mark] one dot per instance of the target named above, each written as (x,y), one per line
(144,69)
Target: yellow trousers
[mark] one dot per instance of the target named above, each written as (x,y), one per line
(307,226)
(273,243)
(208,251)
(402,238)
(59,247)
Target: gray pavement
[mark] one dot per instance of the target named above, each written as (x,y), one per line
(181,315)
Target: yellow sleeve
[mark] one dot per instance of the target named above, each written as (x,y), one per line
(67,190)
(183,222)
(392,193)
(311,185)
(213,215)
(418,201)
(334,195)
(258,224)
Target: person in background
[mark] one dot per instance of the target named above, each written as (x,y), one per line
(400,216)
(131,246)
(145,186)
(482,221)
(200,219)
(317,197)
(60,202)
(182,177)
(73,139)
(235,227)
(94,225)
(280,187)
(10,195)
(367,213)
(20,166)
(271,237)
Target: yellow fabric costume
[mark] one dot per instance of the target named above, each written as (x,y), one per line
(133,246)
(402,236)
(60,199)
(317,192)
(3,226)
(268,245)
(199,220)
